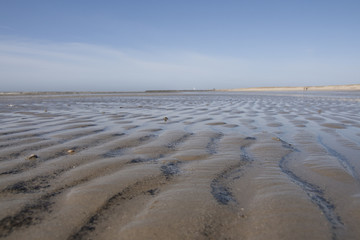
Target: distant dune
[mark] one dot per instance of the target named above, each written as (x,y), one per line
(352,87)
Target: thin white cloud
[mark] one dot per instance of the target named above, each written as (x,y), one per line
(5,27)
(33,66)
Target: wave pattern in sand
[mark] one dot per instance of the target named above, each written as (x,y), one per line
(222,166)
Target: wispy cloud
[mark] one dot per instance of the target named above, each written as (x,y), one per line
(85,66)
(5,27)
(79,66)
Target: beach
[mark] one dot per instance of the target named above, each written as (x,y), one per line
(175,165)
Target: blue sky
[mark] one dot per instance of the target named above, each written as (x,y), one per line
(139,45)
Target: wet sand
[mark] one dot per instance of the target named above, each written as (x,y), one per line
(225,165)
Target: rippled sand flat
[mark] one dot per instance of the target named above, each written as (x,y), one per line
(280,165)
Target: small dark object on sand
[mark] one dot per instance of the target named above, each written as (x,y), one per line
(32,156)
(165,119)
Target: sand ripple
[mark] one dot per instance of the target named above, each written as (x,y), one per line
(222,166)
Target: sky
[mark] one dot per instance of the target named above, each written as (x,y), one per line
(138,45)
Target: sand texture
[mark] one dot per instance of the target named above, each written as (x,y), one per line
(223,165)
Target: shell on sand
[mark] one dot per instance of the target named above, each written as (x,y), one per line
(32,156)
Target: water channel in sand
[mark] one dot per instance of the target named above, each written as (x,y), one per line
(225,165)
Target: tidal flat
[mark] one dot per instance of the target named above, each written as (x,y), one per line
(194,165)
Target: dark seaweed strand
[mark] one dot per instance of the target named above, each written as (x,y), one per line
(27,216)
(124,195)
(175,143)
(212,145)
(114,152)
(245,155)
(141,160)
(120,150)
(314,192)
(219,190)
(170,169)
(20,168)
(171,145)
(35,184)
(341,159)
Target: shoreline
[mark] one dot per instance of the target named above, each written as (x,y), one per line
(350,87)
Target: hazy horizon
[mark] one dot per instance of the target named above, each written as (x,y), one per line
(143,45)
